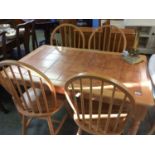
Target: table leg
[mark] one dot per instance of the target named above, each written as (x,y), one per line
(134,127)
(138,116)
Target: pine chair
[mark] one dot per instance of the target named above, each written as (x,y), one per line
(107,38)
(26,32)
(100,105)
(33,94)
(68,35)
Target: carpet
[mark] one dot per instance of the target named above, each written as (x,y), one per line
(10,123)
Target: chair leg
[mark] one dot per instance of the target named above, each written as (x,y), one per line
(23,125)
(50,125)
(69,110)
(61,123)
(79,131)
(134,127)
(28,122)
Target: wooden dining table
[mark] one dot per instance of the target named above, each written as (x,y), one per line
(60,63)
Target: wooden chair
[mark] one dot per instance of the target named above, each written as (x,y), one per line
(24,32)
(32,92)
(2,45)
(101,105)
(68,35)
(107,38)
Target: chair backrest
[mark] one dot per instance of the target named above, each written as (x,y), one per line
(24,32)
(101,105)
(32,91)
(107,38)
(67,35)
(2,45)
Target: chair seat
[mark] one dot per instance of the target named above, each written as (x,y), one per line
(31,104)
(85,125)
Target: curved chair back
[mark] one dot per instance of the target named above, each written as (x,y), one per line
(107,38)
(68,35)
(33,93)
(29,87)
(101,105)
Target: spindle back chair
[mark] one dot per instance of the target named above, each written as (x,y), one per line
(100,105)
(107,38)
(67,35)
(33,93)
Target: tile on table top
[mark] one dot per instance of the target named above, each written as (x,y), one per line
(43,50)
(99,57)
(81,63)
(130,76)
(68,59)
(54,75)
(96,63)
(131,67)
(51,56)
(132,82)
(58,83)
(40,64)
(112,63)
(108,73)
(46,63)
(60,65)
(66,75)
(42,55)
(81,67)
(85,54)
(144,76)
(70,52)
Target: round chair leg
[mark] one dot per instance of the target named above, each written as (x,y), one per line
(152,130)
(79,132)
(50,125)
(23,125)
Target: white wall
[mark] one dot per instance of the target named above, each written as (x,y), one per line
(139,22)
